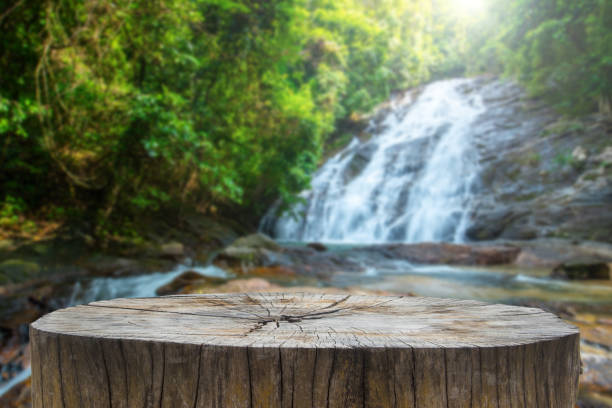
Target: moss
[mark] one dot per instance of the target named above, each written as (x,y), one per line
(531,159)
(526,197)
(563,127)
(17,270)
(514,174)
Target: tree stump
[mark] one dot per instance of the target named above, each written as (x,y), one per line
(302,350)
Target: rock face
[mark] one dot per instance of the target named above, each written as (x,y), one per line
(542,175)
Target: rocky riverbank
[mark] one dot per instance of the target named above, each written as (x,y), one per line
(256,263)
(39,275)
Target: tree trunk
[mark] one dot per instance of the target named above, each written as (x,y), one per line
(302,350)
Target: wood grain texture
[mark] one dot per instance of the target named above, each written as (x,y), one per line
(302,350)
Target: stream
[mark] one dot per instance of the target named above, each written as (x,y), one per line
(504,284)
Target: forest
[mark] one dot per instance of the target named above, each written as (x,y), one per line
(114,110)
(319,203)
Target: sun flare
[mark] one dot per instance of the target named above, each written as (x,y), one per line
(469,7)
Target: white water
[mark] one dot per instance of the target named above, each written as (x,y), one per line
(415,184)
(16,380)
(119,287)
(134,286)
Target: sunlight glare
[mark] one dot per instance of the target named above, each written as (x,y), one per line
(469,7)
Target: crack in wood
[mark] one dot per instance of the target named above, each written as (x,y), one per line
(170,312)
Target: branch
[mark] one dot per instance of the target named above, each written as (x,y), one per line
(10,10)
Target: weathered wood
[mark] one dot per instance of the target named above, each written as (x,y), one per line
(302,350)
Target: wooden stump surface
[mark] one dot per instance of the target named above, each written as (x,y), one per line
(303,350)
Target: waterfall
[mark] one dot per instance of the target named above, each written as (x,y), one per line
(411,182)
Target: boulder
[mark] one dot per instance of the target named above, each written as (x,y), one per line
(317,246)
(450,254)
(185,280)
(255,241)
(531,259)
(551,253)
(172,250)
(583,269)
(254,250)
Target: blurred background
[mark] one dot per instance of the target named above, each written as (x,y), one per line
(448,148)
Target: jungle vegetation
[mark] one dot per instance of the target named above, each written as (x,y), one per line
(112,110)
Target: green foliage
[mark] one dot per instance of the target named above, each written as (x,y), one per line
(560,49)
(531,159)
(111,109)
(564,127)
(11,210)
(565,159)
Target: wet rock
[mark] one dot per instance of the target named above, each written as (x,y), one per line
(317,246)
(549,253)
(450,254)
(240,260)
(255,241)
(490,225)
(254,250)
(186,280)
(173,250)
(583,269)
(411,156)
(359,161)
(262,252)
(520,230)
(530,259)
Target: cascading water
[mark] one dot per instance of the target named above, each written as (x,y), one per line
(410,183)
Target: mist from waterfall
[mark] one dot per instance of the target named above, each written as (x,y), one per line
(411,182)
